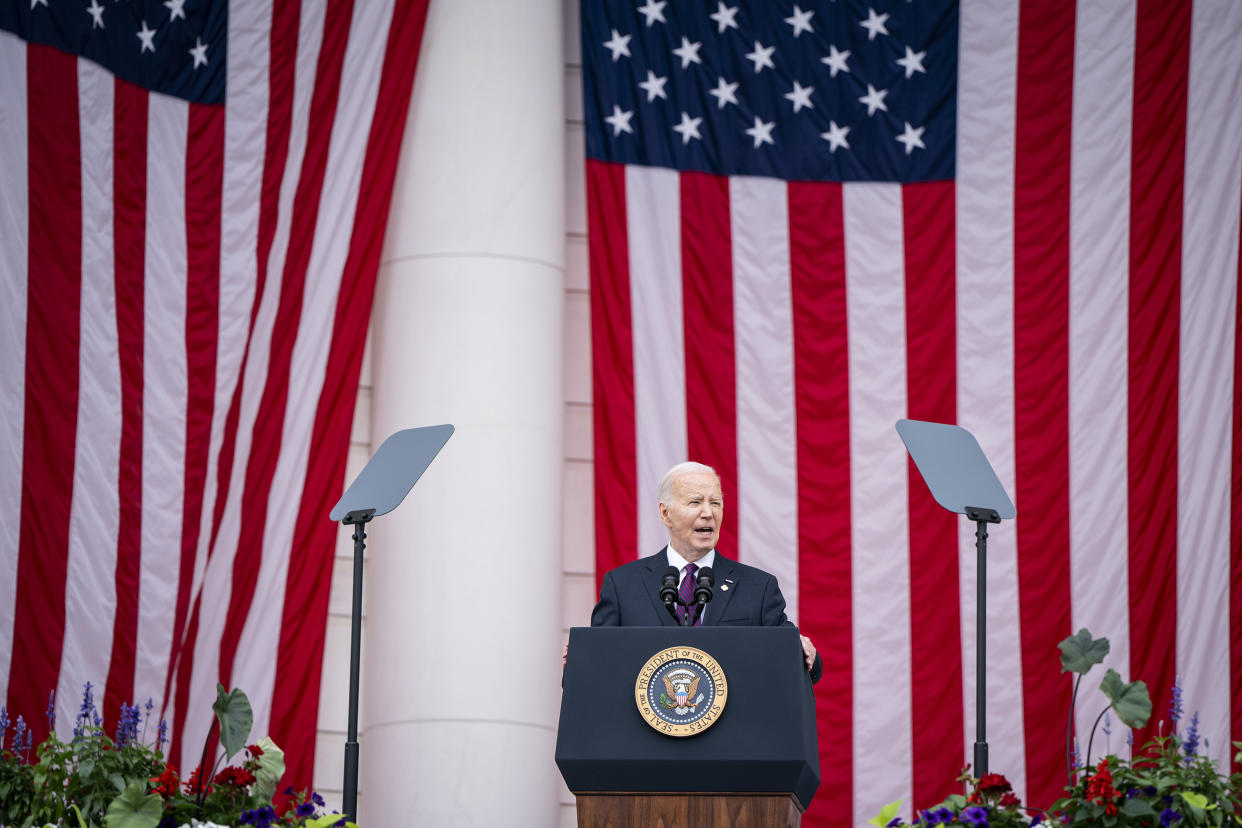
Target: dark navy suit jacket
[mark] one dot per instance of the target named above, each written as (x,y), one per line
(743,597)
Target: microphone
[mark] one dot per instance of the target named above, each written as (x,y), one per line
(702,593)
(668,591)
(703,589)
(668,586)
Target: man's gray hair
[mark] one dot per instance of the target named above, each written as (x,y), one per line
(689,467)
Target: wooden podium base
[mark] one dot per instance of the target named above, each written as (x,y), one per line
(687,810)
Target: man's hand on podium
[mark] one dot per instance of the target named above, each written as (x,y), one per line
(808,651)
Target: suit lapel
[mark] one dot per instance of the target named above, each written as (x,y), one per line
(724,571)
(656,564)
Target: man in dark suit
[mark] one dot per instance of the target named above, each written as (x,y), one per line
(692,507)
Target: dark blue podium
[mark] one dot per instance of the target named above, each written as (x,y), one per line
(756,764)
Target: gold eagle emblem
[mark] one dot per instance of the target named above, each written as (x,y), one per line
(681,690)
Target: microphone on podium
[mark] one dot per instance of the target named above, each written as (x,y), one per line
(668,591)
(702,592)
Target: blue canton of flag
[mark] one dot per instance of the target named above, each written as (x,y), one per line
(177,47)
(814,91)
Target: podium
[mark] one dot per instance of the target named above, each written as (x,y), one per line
(755,764)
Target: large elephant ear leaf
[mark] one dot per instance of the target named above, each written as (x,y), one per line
(1080,652)
(134,808)
(1131,701)
(236,717)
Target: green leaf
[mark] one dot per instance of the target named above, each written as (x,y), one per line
(1136,808)
(1131,701)
(1080,652)
(333,819)
(235,716)
(1196,800)
(81,821)
(134,808)
(886,814)
(271,768)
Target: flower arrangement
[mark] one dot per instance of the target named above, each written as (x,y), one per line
(125,781)
(1165,783)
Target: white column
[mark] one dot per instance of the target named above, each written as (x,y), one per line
(461,677)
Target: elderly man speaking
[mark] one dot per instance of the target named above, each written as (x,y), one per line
(692,507)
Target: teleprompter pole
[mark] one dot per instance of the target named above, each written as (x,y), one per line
(981,517)
(359,520)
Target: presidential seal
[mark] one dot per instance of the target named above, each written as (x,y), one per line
(681,691)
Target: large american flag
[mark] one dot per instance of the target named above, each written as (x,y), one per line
(193,196)
(809,220)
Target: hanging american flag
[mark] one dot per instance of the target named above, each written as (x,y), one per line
(809,220)
(193,196)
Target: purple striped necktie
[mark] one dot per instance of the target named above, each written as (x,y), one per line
(685,592)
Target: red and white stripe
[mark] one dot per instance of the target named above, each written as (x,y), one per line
(1071,299)
(176,418)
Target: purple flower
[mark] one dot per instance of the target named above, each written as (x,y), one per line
(1108,724)
(1191,745)
(88,703)
(1175,706)
(940,816)
(161,736)
(1169,817)
(975,816)
(893,823)
(4,725)
(19,735)
(306,809)
(51,712)
(1077,756)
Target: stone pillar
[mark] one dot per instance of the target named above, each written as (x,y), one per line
(461,676)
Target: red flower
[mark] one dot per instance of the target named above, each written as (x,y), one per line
(235,777)
(1009,800)
(166,783)
(994,783)
(191,785)
(255,750)
(1100,788)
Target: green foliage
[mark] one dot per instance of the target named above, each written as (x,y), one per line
(135,808)
(96,782)
(271,769)
(1131,701)
(886,814)
(235,717)
(1081,652)
(1166,783)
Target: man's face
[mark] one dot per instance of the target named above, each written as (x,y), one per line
(694,514)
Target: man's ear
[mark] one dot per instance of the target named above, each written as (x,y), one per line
(664,514)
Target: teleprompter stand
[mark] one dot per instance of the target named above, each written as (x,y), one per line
(379,488)
(962,480)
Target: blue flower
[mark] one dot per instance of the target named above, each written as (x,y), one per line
(975,816)
(1169,817)
(4,725)
(893,823)
(306,809)
(1191,745)
(940,816)
(51,712)
(1175,706)
(19,735)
